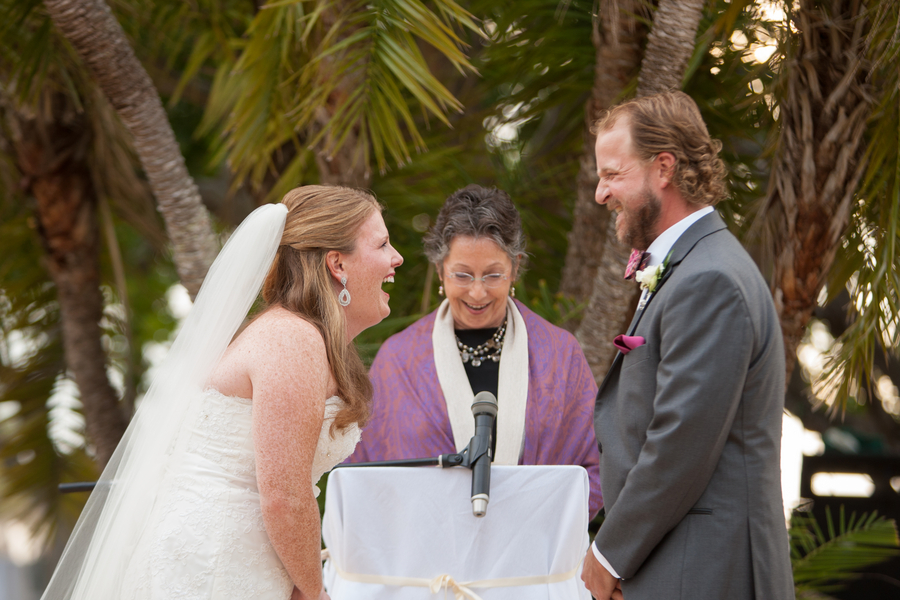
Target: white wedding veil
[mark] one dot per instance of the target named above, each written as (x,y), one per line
(98,552)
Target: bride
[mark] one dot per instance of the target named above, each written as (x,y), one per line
(210,494)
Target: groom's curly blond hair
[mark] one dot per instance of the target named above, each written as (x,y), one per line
(671,122)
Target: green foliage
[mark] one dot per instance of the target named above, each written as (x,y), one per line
(738,96)
(539,60)
(536,64)
(729,85)
(37,450)
(554,307)
(31,363)
(258,88)
(868,261)
(825,561)
(275,70)
(521,131)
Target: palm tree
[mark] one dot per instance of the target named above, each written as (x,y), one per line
(830,213)
(100,42)
(49,131)
(63,162)
(612,300)
(62,136)
(32,464)
(335,96)
(51,147)
(669,46)
(618,37)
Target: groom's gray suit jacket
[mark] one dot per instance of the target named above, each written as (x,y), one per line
(690,430)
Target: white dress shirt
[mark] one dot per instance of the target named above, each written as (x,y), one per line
(660,247)
(658,250)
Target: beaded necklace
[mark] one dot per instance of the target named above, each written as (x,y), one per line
(489,350)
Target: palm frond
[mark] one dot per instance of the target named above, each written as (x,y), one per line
(29,52)
(248,98)
(309,73)
(824,561)
(868,264)
(375,51)
(538,56)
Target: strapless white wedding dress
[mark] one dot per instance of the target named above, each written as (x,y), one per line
(206,539)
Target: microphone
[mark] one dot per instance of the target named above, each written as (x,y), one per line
(484,408)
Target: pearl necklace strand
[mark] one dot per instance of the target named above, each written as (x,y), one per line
(489,350)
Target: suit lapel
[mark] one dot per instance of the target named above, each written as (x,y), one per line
(707,225)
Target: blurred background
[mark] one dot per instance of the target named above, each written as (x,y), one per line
(136,134)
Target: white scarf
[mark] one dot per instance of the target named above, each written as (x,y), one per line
(512,388)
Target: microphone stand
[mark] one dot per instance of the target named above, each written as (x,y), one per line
(443,461)
(81,486)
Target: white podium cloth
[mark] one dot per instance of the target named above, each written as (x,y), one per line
(409,527)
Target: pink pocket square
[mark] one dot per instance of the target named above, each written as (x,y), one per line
(627,343)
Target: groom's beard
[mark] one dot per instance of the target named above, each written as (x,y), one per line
(641,221)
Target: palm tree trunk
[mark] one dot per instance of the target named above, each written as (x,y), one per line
(820,156)
(98,38)
(52,154)
(669,46)
(618,38)
(613,299)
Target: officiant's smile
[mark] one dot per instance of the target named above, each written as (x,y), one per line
(482,339)
(476,278)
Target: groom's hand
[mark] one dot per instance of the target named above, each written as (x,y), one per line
(599,581)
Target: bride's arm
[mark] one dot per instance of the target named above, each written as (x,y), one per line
(290,377)
(296,595)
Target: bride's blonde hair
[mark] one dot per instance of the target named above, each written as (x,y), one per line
(321,219)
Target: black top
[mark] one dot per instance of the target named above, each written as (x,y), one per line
(486,377)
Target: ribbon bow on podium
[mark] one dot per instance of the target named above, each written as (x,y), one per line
(447,582)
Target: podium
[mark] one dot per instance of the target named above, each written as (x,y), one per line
(404,533)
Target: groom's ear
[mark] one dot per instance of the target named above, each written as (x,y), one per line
(334,260)
(666,162)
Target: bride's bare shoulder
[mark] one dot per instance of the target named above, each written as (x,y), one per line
(276,344)
(285,352)
(279,327)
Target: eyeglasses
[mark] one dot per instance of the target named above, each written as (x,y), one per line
(464,280)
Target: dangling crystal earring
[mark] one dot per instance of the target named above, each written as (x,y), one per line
(344,296)
(441,290)
(512,291)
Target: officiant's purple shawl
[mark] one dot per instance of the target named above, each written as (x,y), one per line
(409,414)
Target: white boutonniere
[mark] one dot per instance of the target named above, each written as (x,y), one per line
(650,277)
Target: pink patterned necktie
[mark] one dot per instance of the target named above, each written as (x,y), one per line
(636,262)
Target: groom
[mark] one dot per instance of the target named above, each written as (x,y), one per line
(689,415)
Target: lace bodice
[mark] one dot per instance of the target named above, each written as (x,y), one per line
(208,539)
(331,451)
(228,437)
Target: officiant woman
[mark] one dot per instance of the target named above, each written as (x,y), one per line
(481,339)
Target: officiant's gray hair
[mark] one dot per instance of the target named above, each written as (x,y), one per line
(477,212)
